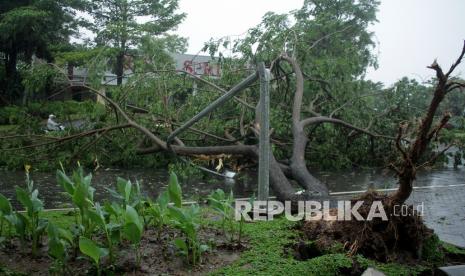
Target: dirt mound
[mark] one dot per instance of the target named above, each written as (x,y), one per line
(400,237)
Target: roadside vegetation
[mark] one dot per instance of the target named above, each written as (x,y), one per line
(104,232)
(334,49)
(122,235)
(325,115)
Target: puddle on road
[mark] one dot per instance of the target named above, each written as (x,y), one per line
(244,185)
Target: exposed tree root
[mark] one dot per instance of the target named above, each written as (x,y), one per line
(399,238)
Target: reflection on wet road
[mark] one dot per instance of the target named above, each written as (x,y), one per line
(244,185)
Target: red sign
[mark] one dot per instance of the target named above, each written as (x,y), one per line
(202,68)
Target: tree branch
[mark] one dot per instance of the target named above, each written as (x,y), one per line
(457,62)
(71,137)
(323,119)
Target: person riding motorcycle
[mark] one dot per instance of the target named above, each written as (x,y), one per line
(52,125)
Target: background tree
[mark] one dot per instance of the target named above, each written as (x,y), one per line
(331,43)
(155,53)
(33,27)
(123,23)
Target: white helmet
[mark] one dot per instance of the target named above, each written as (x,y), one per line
(51,116)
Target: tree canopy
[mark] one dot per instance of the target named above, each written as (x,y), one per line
(123,24)
(33,27)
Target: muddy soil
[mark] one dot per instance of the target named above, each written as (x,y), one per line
(158,257)
(399,238)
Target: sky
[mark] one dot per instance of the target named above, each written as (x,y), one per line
(410,34)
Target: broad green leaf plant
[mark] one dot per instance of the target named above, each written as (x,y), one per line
(186,220)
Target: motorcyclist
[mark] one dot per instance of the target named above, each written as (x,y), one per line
(52,125)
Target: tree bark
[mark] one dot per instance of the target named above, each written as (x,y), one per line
(298,165)
(411,156)
(10,65)
(119,68)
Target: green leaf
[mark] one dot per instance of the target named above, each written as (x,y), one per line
(127,191)
(218,194)
(66,234)
(41,225)
(136,188)
(115,236)
(90,193)
(23,197)
(34,194)
(133,227)
(89,248)
(184,219)
(114,194)
(96,218)
(5,205)
(174,190)
(115,233)
(215,204)
(56,249)
(52,231)
(114,209)
(66,183)
(121,185)
(204,248)
(163,200)
(177,214)
(37,205)
(131,216)
(87,180)
(132,232)
(11,218)
(181,245)
(80,196)
(20,222)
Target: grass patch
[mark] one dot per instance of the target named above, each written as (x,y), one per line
(459,135)
(432,251)
(6,129)
(6,272)
(391,268)
(266,256)
(452,249)
(63,219)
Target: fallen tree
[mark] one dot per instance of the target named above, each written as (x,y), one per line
(401,236)
(426,132)
(323,51)
(281,174)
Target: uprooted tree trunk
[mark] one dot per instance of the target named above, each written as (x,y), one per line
(299,170)
(426,132)
(400,237)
